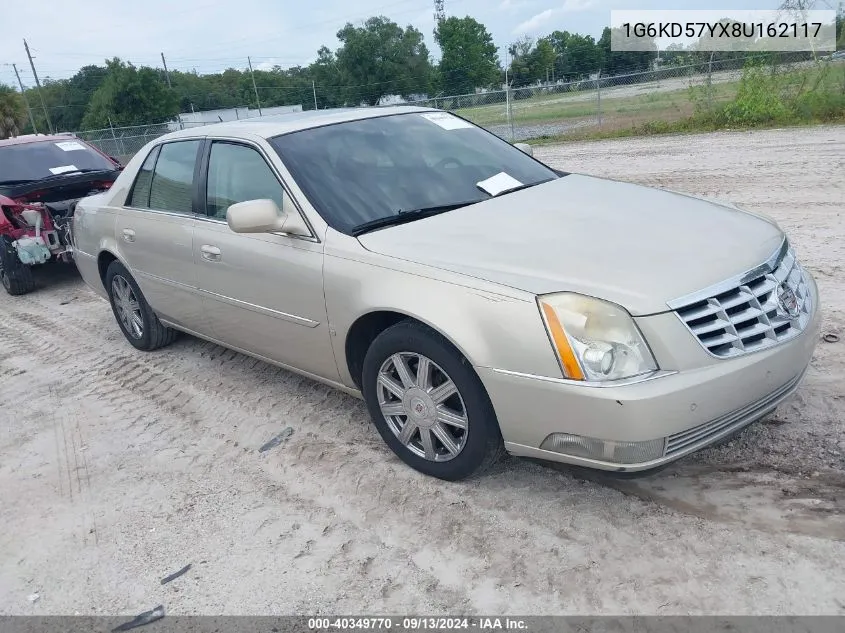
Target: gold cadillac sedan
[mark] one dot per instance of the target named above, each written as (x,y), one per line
(478,300)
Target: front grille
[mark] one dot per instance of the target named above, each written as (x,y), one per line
(710,431)
(749,314)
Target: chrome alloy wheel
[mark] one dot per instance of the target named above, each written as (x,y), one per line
(422,406)
(127,307)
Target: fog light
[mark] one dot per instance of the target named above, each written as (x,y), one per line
(604,450)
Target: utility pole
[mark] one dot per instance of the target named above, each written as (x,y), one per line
(167,76)
(38,85)
(25,100)
(166,72)
(314,89)
(254,87)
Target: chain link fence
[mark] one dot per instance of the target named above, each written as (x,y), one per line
(561,108)
(124,142)
(606,103)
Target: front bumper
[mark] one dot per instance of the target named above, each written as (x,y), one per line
(686,409)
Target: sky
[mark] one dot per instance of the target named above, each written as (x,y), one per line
(209,35)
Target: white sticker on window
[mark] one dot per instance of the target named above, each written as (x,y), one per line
(446,121)
(63,169)
(71,146)
(498,183)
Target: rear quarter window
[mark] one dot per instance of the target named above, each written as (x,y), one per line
(171,188)
(140,194)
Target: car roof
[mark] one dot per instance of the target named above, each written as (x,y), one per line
(37,138)
(274,125)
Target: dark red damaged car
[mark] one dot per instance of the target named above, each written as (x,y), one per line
(41,180)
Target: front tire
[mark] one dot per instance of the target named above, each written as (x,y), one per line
(15,276)
(428,404)
(136,318)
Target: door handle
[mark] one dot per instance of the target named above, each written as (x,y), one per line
(128,235)
(210,253)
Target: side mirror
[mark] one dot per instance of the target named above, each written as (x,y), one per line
(524,147)
(264,216)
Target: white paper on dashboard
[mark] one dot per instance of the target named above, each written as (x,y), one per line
(63,169)
(498,183)
(446,121)
(70,146)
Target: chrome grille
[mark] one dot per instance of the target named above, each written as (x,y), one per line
(749,313)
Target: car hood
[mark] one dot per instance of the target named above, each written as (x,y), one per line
(636,246)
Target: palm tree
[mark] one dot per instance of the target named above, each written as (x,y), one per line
(12,112)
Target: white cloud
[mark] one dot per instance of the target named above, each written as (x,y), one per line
(512,6)
(536,22)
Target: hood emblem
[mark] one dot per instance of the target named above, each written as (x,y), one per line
(788,304)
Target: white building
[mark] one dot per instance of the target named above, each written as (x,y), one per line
(192,119)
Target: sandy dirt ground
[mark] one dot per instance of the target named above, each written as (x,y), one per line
(118,467)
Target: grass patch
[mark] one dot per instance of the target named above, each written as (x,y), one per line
(764,97)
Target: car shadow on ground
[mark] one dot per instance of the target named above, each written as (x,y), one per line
(754,496)
(56,276)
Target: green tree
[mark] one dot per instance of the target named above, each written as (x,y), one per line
(381,58)
(541,60)
(326,74)
(520,66)
(130,96)
(12,112)
(469,59)
(624,62)
(582,56)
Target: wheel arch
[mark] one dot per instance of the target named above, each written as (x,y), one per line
(104,260)
(106,255)
(368,326)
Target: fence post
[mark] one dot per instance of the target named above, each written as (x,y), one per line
(710,83)
(114,138)
(508,112)
(598,90)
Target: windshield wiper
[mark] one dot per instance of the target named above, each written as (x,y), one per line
(407,216)
(75,172)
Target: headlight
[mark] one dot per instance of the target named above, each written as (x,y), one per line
(595,340)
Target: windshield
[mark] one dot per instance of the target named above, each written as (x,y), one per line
(359,172)
(42,159)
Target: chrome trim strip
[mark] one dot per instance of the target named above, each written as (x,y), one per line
(678,443)
(284,316)
(276,314)
(166,282)
(634,380)
(729,284)
(753,416)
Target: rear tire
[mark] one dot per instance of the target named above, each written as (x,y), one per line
(450,437)
(133,314)
(15,276)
